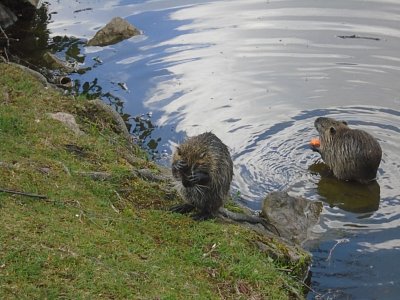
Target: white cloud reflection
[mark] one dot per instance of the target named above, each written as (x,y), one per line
(386,245)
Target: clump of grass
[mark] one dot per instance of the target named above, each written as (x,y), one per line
(10,125)
(112,238)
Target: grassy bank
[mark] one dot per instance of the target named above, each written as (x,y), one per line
(110,238)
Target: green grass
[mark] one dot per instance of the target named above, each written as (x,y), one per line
(107,239)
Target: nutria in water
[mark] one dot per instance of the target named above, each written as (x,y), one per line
(351,154)
(204,169)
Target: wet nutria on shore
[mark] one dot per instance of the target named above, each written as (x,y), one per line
(204,169)
(351,154)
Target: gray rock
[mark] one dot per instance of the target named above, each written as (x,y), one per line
(272,242)
(293,217)
(97,176)
(289,254)
(7,17)
(68,120)
(6,165)
(100,110)
(34,3)
(115,31)
(57,64)
(35,74)
(149,175)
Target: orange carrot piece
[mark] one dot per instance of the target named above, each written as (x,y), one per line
(315,142)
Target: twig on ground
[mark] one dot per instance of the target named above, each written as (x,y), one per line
(112,205)
(23,193)
(317,295)
(5,36)
(7,43)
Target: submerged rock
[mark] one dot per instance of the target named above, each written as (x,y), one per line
(292,216)
(115,31)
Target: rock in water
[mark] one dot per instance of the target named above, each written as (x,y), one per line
(115,31)
(292,216)
(56,63)
(35,3)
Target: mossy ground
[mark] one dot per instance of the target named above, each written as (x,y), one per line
(109,239)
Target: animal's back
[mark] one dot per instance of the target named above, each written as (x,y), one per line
(352,154)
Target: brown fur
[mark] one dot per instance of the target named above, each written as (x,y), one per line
(351,154)
(204,168)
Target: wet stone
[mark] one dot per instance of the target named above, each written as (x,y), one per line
(115,31)
(293,217)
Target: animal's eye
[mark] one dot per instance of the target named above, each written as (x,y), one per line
(178,151)
(332,130)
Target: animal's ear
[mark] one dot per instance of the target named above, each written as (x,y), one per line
(332,130)
(344,122)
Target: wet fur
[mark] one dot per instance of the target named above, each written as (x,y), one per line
(351,154)
(203,167)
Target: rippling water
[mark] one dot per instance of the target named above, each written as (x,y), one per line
(257,73)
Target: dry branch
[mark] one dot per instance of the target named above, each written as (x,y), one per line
(23,194)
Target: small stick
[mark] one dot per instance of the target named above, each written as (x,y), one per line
(5,35)
(7,43)
(23,194)
(334,246)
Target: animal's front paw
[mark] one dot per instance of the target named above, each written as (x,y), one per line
(182,208)
(181,165)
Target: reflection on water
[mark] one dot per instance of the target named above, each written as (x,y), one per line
(257,73)
(28,38)
(349,196)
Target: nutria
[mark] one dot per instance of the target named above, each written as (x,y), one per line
(351,154)
(204,169)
